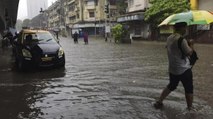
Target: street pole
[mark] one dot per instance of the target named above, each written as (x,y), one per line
(109,14)
(47,19)
(65,24)
(95,22)
(106,2)
(41,14)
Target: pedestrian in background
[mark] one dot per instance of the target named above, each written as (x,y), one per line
(179,67)
(85,38)
(56,31)
(75,37)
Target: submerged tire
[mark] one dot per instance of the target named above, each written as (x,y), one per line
(21,66)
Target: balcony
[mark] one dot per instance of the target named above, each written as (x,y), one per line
(68,22)
(70,2)
(90,7)
(91,19)
(76,9)
(71,14)
(51,21)
(56,19)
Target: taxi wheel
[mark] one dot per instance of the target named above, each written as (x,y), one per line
(21,65)
(62,65)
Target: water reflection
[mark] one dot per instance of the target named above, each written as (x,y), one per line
(20,91)
(103,80)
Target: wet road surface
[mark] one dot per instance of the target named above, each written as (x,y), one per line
(103,81)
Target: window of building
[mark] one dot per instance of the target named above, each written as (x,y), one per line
(71,7)
(91,14)
(131,3)
(72,18)
(112,2)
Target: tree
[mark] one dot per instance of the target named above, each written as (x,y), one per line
(26,23)
(118,31)
(161,9)
(19,24)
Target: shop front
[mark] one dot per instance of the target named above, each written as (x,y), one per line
(138,28)
(90,28)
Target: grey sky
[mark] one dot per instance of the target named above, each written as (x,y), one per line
(22,11)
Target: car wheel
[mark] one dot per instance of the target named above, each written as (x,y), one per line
(62,65)
(21,65)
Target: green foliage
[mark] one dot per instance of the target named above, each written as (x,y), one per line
(63,33)
(19,24)
(26,23)
(161,9)
(117,32)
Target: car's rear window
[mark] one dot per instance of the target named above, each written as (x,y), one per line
(38,37)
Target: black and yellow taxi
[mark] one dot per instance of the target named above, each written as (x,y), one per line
(38,48)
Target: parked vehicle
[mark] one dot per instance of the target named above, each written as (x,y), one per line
(37,48)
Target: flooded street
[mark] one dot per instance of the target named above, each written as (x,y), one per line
(104,80)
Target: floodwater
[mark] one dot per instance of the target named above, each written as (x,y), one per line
(104,80)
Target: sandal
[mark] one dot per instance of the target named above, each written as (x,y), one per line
(158,105)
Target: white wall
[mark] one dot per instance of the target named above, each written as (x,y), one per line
(136,5)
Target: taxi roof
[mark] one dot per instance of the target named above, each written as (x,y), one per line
(33,31)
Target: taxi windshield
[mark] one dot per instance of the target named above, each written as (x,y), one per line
(39,37)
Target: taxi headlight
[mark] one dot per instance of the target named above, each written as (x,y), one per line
(26,53)
(60,52)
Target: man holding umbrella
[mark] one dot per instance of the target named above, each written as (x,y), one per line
(179,67)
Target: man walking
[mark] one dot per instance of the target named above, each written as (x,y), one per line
(179,66)
(75,37)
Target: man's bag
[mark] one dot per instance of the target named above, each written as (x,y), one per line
(193,58)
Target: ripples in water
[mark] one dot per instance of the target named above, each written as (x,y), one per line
(103,81)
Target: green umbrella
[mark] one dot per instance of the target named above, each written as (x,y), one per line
(191,18)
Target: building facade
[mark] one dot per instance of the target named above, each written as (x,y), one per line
(137,5)
(53,16)
(81,15)
(34,7)
(134,18)
(39,22)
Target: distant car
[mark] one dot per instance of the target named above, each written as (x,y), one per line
(38,48)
